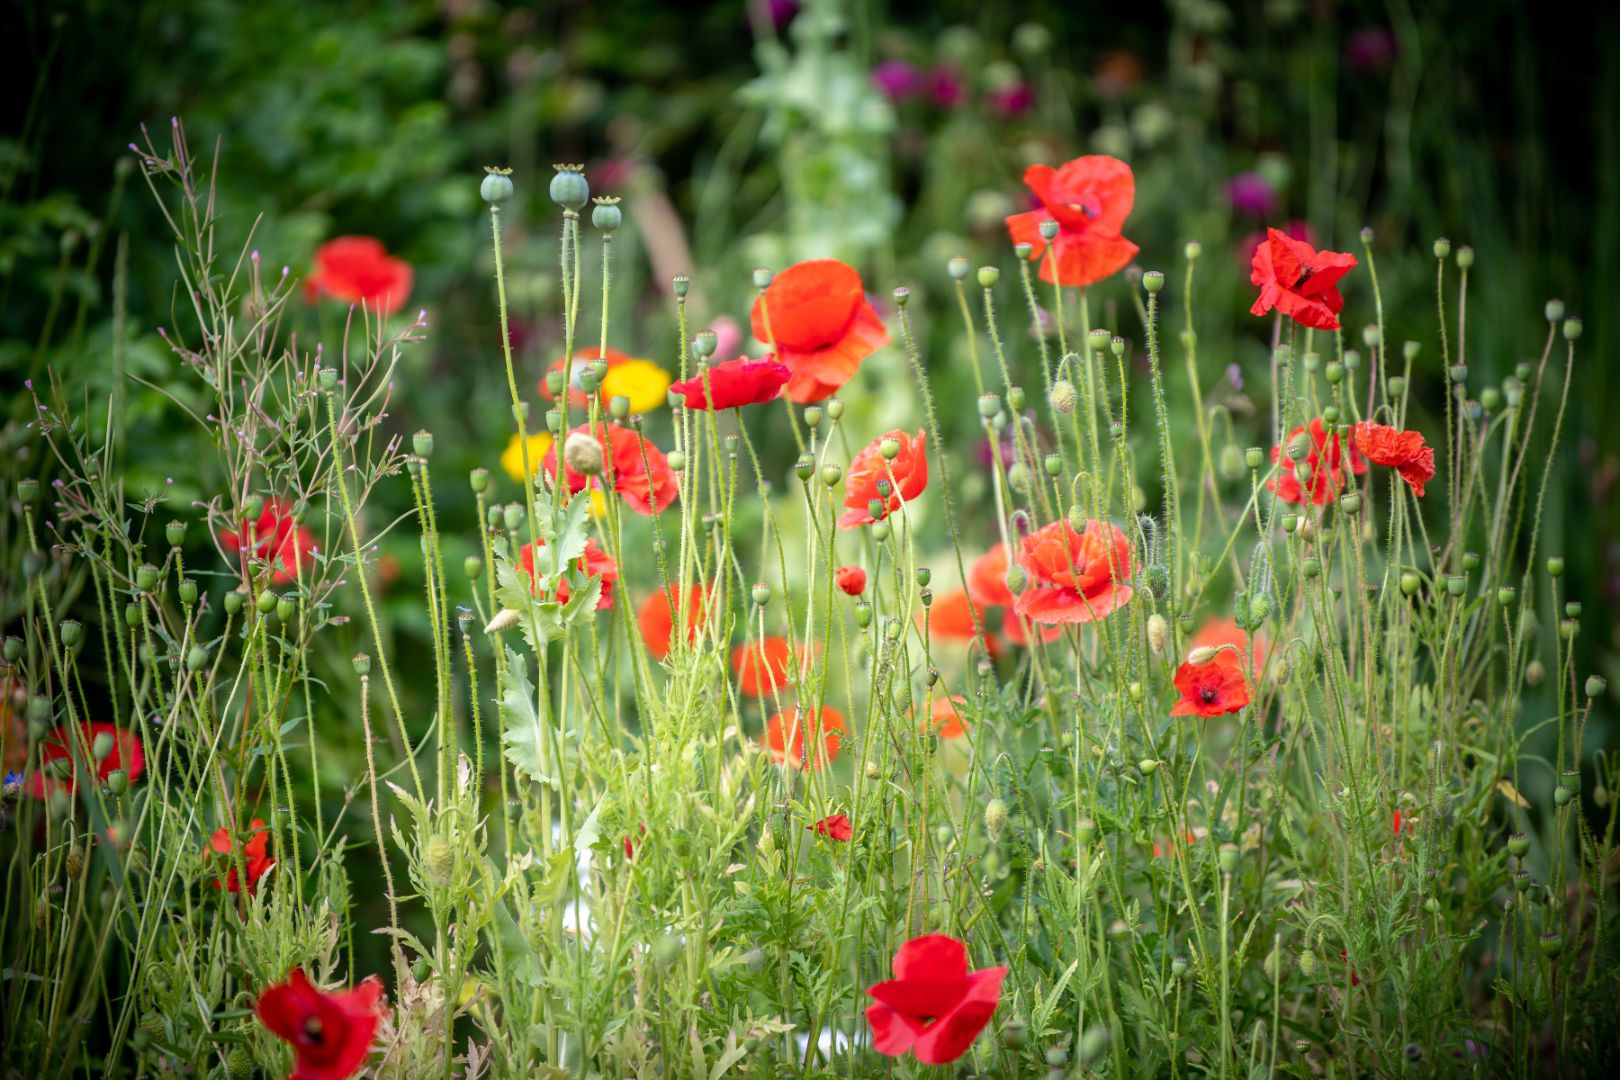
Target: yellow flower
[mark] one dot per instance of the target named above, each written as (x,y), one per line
(642,382)
(512,456)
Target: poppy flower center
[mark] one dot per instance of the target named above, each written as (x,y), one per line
(313,1030)
(1209,694)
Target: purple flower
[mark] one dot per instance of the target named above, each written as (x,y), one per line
(778,12)
(946,88)
(1234,376)
(1010,101)
(897,80)
(1252,194)
(1370,50)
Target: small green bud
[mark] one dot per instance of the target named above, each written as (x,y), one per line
(473,566)
(1396,385)
(362,664)
(1052,465)
(175,533)
(1311,568)
(71,632)
(13,648)
(27,490)
(1555,566)
(1049,229)
(328,379)
(1330,414)
(1254,457)
(835,408)
(890,449)
(1015,398)
(863,614)
(1562,795)
(995,819)
(1148,766)
(265,602)
(831,473)
(188,592)
(958,267)
(1193,250)
(1465,257)
(1442,248)
(1456,585)
(1350,503)
(1596,686)
(762,594)
(146,577)
(1572,329)
(1334,372)
(1534,672)
(1470,561)
(989,405)
(1552,943)
(1352,360)
(988,276)
(512,515)
(118,781)
(1572,609)
(286,608)
(1153,280)
(1458,373)
(1506,594)
(102,745)
(422,443)
(233,600)
(1410,583)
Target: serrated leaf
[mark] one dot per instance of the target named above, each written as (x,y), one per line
(590,830)
(520,723)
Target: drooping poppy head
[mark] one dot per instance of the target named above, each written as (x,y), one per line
(947,717)
(816,316)
(640,382)
(906,475)
(933,1007)
(1212,689)
(1397,449)
(256,857)
(512,457)
(833,827)
(1216,633)
(359,270)
(851,580)
(790,731)
(1326,458)
(1074,577)
(123,751)
(330,1032)
(631,466)
(1298,280)
(734,384)
(1089,198)
(657,618)
(597,563)
(275,538)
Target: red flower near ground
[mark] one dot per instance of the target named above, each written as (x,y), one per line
(907,475)
(330,1033)
(359,270)
(1397,449)
(631,466)
(598,563)
(816,316)
(785,736)
(946,717)
(1215,633)
(1212,689)
(934,1006)
(1074,577)
(833,827)
(1355,980)
(951,618)
(1397,823)
(255,854)
(1090,198)
(762,665)
(851,579)
(657,619)
(734,384)
(1326,456)
(275,538)
(1298,280)
(125,753)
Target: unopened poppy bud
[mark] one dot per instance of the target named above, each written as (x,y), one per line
(1201,655)
(1396,385)
(989,405)
(1049,229)
(27,490)
(197,659)
(1231,462)
(762,594)
(496,187)
(1534,672)
(233,601)
(13,648)
(1077,518)
(1148,766)
(831,473)
(512,516)
(1311,568)
(863,614)
(146,577)
(835,408)
(1330,414)
(988,276)
(569,189)
(1063,397)
(1158,633)
(1018,478)
(1227,858)
(102,745)
(995,819)
(473,566)
(286,608)
(1562,795)
(1572,329)
(328,379)
(1153,280)
(1052,464)
(71,632)
(1334,372)
(1178,967)
(265,602)
(606,215)
(1596,686)
(422,443)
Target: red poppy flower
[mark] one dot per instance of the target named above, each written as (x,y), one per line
(735,383)
(1355,980)
(1074,577)
(630,848)
(1298,280)
(785,734)
(277,539)
(598,563)
(657,619)
(126,753)
(951,618)
(330,1033)
(255,854)
(908,470)
(1397,823)
(1326,456)
(934,1006)
(947,717)
(820,324)
(1090,198)
(762,665)
(1397,449)
(359,270)
(1215,633)
(851,579)
(1212,689)
(631,466)
(833,827)
(987,579)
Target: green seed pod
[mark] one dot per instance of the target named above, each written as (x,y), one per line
(132,615)
(27,490)
(1431,905)
(422,444)
(496,187)
(1572,609)
(1015,398)
(606,215)
(473,566)
(804,468)
(71,632)
(1350,503)
(188,592)
(1334,372)
(988,276)
(196,659)
(1178,967)
(1555,566)
(1572,329)
(1465,257)
(1456,585)
(102,745)
(175,533)
(1052,465)
(680,285)
(1084,831)
(889,448)
(568,187)
(1254,457)
(286,609)
(1153,280)
(1049,229)
(989,405)
(812,417)
(1596,686)
(1148,766)
(1518,844)
(512,515)
(233,600)
(761,593)
(863,614)
(1311,568)
(1562,795)
(1015,1036)
(901,296)
(835,408)
(362,664)
(1227,858)
(146,577)
(958,267)
(1552,943)
(1506,594)
(1410,583)
(763,276)
(880,531)
(1232,463)
(1490,399)
(1330,414)
(1534,673)
(1396,385)
(265,602)
(13,648)
(118,782)
(328,379)
(831,473)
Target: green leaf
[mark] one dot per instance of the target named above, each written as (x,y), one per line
(522,962)
(520,724)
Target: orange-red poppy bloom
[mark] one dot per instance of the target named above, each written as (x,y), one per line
(629,845)
(359,270)
(987,578)
(1089,198)
(1074,577)
(330,1033)
(906,475)
(1327,457)
(1298,280)
(255,856)
(947,717)
(657,619)
(597,563)
(833,827)
(125,753)
(951,617)
(816,316)
(631,466)
(1397,449)
(762,665)
(1215,633)
(1211,689)
(734,384)
(788,731)
(851,579)
(275,538)
(934,1006)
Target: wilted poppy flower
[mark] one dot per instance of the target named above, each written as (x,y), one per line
(276,539)
(816,315)
(907,475)
(762,665)
(512,456)
(1090,198)
(933,1007)
(787,731)
(641,382)
(1212,689)
(833,827)
(330,1033)
(657,619)
(631,466)
(1215,633)
(255,855)
(1326,457)
(946,717)
(1397,449)
(359,270)
(125,752)
(1298,280)
(598,563)
(734,384)
(851,579)
(1074,577)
